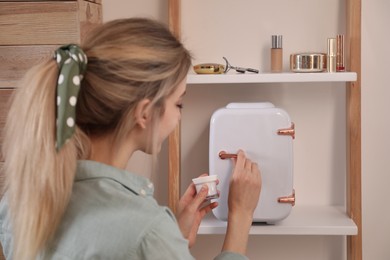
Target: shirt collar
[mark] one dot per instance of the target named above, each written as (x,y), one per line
(91,169)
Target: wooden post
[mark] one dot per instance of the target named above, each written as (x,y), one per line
(174,138)
(354,201)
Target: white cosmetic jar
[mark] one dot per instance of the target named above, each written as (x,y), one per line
(211,182)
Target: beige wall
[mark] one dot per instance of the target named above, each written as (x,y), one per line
(375,125)
(212,29)
(114,9)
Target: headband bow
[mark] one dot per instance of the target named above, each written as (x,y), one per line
(72,64)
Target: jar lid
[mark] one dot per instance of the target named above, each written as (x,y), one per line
(205,179)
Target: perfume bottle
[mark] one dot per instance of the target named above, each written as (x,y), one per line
(276,53)
(331,58)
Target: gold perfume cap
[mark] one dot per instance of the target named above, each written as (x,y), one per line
(332,48)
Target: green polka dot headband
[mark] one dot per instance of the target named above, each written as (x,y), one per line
(72,63)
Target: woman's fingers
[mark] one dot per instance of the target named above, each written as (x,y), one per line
(240,161)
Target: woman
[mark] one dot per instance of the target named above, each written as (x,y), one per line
(73,125)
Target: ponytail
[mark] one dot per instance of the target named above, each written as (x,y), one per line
(39,180)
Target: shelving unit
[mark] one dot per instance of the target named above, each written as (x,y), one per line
(303,220)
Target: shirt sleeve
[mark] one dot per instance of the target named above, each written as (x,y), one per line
(163,240)
(226,255)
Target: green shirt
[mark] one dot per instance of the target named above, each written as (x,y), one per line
(112,215)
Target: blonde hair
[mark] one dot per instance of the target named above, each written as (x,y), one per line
(128,60)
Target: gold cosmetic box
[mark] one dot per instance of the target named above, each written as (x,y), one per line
(308,62)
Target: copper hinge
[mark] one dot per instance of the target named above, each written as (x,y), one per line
(288,131)
(288,199)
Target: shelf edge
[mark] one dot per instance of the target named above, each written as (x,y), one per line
(271,78)
(303,220)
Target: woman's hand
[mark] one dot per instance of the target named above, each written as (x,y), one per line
(245,186)
(244,193)
(190,211)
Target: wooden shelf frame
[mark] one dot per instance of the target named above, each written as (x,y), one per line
(174,158)
(353,103)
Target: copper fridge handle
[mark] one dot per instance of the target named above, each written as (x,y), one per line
(224,155)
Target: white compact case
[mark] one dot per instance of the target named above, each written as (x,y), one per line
(266,135)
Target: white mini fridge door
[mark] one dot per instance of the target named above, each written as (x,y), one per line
(266,134)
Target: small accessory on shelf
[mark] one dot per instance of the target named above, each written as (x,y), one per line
(209,68)
(308,62)
(340,64)
(72,64)
(216,68)
(238,69)
(276,53)
(331,58)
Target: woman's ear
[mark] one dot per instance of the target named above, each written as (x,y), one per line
(142,113)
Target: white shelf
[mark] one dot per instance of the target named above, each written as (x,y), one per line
(303,220)
(271,77)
